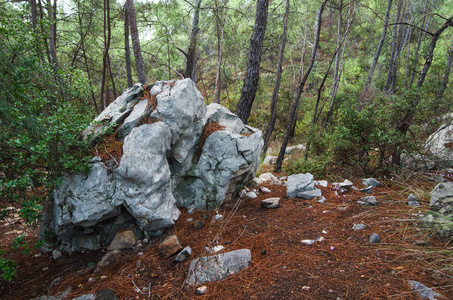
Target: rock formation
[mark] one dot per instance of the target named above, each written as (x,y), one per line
(176,151)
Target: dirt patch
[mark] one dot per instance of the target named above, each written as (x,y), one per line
(344,265)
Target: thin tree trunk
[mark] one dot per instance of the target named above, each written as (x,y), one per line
(390,82)
(220,29)
(419,42)
(281,53)
(136,42)
(45,40)
(379,48)
(107,35)
(443,86)
(252,72)
(295,103)
(191,57)
(111,77)
(127,49)
(52,33)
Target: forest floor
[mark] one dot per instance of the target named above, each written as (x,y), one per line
(345,265)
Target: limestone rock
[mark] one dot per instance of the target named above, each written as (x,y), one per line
(183,255)
(217,267)
(124,238)
(307,195)
(423,291)
(170,246)
(114,114)
(270,203)
(375,238)
(299,183)
(412,200)
(370,182)
(266,177)
(108,259)
(143,177)
(368,200)
(439,145)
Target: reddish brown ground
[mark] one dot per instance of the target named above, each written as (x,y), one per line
(343,266)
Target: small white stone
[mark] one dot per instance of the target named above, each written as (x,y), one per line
(251,195)
(202,290)
(308,242)
(264,189)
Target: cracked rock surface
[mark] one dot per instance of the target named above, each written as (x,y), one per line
(163,164)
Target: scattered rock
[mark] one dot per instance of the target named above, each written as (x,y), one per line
(423,291)
(263,251)
(264,189)
(322,183)
(307,195)
(308,242)
(216,218)
(358,227)
(266,177)
(270,203)
(204,216)
(183,255)
(170,246)
(61,296)
(289,150)
(368,200)
(198,224)
(270,160)
(442,209)
(108,259)
(201,290)
(215,249)
(106,294)
(56,254)
(85,297)
(251,195)
(375,238)
(217,267)
(412,200)
(370,182)
(321,200)
(124,239)
(367,190)
(189,220)
(345,186)
(299,183)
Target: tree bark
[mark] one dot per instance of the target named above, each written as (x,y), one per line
(295,103)
(136,42)
(52,33)
(220,29)
(419,42)
(192,55)
(379,48)
(443,86)
(281,53)
(253,66)
(107,36)
(127,49)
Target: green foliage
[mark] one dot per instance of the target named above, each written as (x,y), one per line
(8,268)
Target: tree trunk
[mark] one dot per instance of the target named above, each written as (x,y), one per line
(220,29)
(252,72)
(390,82)
(443,86)
(52,33)
(281,52)
(192,53)
(379,48)
(107,36)
(419,42)
(136,42)
(295,103)
(127,49)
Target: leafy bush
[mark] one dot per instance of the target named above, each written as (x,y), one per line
(42,111)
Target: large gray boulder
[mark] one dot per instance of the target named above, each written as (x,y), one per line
(439,145)
(165,161)
(229,158)
(217,267)
(299,183)
(441,215)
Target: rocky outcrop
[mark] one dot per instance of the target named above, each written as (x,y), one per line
(441,215)
(439,145)
(170,156)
